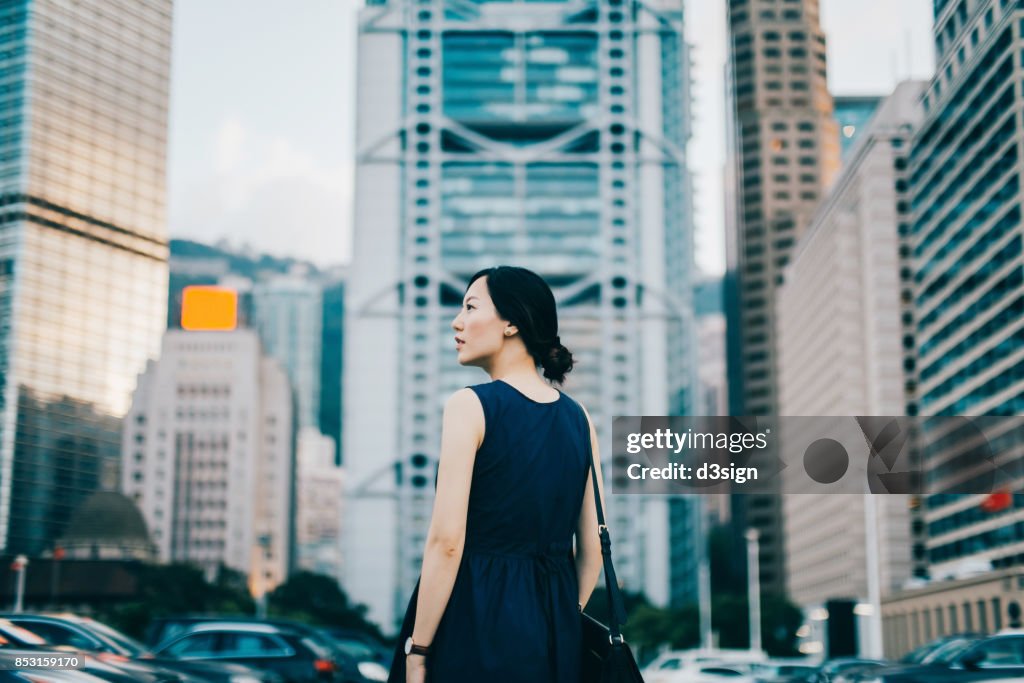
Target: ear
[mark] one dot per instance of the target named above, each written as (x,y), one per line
(511,331)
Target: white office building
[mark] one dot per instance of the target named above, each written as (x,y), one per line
(208,455)
(843,315)
(546,135)
(319,491)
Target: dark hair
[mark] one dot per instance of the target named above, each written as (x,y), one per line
(523,298)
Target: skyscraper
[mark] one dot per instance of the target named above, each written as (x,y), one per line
(550,136)
(785,151)
(209,455)
(288,313)
(841,326)
(331,355)
(83,246)
(965,183)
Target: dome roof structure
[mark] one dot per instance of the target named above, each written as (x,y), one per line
(107,525)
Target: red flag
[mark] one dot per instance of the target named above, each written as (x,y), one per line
(997,501)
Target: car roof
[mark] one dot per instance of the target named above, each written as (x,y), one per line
(239,626)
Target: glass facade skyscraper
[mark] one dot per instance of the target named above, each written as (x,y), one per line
(965,182)
(288,313)
(83,275)
(966,171)
(549,135)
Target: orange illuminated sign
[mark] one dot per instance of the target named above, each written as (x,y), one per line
(209,308)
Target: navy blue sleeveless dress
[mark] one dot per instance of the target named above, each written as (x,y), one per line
(513,616)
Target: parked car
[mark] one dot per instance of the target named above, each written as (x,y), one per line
(72,676)
(359,660)
(680,666)
(963,658)
(115,648)
(830,669)
(782,671)
(14,637)
(296,657)
(359,642)
(918,655)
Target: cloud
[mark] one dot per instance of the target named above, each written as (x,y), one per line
(230,141)
(271,194)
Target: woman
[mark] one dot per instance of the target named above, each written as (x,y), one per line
(500,589)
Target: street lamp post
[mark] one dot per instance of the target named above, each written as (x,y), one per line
(19,565)
(264,542)
(703,575)
(874,570)
(753,590)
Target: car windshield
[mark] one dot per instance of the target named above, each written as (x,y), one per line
(129,646)
(9,630)
(915,656)
(946,653)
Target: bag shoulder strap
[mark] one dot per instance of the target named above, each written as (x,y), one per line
(616,606)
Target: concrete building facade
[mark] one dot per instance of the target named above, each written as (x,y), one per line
(209,455)
(841,326)
(320,490)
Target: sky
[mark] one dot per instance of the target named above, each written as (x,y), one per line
(261,142)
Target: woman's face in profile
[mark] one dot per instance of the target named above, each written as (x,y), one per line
(479,332)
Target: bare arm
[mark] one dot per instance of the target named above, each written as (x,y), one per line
(461,435)
(588,544)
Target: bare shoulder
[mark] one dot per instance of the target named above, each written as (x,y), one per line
(464,402)
(464,414)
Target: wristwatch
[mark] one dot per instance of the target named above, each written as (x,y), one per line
(412,648)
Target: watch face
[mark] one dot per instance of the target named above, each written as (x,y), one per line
(408,645)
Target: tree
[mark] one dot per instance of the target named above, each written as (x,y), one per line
(316,598)
(175,589)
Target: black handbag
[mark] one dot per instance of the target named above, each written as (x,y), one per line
(606,657)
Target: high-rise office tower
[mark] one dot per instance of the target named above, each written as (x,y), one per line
(785,151)
(841,329)
(965,182)
(331,354)
(688,532)
(83,247)
(287,311)
(550,135)
(209,455)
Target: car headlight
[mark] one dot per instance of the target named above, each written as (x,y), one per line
(244,678)
(373,671)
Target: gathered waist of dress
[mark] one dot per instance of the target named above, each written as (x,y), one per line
(526,549)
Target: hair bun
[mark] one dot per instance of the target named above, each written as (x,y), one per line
(558,362)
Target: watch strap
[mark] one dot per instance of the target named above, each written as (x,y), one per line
(412,648)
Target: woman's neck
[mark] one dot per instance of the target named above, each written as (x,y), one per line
(518,370)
